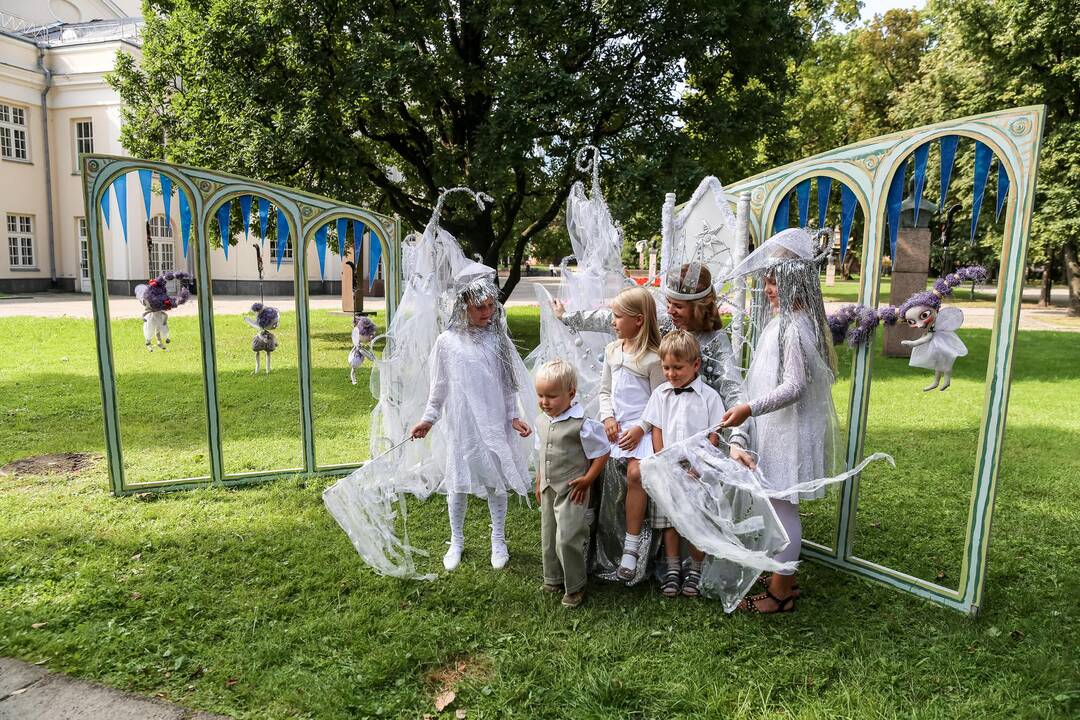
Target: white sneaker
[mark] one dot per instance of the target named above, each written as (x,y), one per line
(500,555)
(452,558)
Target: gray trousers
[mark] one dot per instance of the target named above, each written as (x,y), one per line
(563,536)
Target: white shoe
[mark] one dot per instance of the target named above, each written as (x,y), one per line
(452,558)
(500,555)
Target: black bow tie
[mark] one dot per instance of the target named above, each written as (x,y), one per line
(680,391)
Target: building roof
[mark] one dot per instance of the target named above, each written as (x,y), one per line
(57,34)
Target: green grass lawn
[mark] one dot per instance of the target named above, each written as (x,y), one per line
(848,291)
(251,602)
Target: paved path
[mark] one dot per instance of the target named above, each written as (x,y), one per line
(28,692)
(1032,317)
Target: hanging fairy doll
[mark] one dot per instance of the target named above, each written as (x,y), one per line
(938,348)
(155,297)
(363,333)
(265,322)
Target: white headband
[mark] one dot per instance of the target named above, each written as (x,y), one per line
(676,295)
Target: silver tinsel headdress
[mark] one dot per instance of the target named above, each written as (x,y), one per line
(793,258)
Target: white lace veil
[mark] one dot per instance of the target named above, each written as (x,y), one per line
(597,243)
(364,502)
(717,504)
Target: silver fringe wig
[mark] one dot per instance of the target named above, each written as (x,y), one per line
(798,286)
(456,315)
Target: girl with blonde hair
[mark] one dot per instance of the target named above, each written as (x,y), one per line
(631,372)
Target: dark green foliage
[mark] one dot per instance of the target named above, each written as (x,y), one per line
(384,103)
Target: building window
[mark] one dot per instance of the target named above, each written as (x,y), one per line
(273,251)
(162,248)
(13,142)
(84,249)
(20,231)
(83,133)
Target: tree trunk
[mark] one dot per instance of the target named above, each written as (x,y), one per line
(1072,277)
(1046,284)
(851,261)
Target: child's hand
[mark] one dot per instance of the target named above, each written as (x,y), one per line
(909,343)
(631,438)
(579,489)
(558,308)
(741,456)
(522,429)
(736,416)
(611,427)
(537,492)
(420,430)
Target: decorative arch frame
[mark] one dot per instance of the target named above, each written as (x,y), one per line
(208,190)
(868,167)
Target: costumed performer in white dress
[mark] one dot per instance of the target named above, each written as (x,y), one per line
(449,363)
(474,388)
(789,384)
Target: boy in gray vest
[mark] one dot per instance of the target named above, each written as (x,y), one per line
(573,450)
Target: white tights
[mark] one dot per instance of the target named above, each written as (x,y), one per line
(457,504)
(788,512)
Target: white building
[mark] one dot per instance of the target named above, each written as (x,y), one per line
(54,105)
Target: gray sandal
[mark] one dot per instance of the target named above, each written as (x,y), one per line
(624,573)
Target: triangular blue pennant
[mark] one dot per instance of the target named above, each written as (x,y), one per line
(105,205)
(146,177)
(282,236)
(892,206)
(802,195)
(922,154)
(166,194)
(824,186)
(374,257)
(120,190)
(223,226)
(1002,189)
(948,156)
(783,211)
(358,230)
(342,234)
(320,248)
(245,215)
(264,218)
(847,215)
(983,156)
(185,220)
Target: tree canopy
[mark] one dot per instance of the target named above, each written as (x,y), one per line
(956,58)
(384,103)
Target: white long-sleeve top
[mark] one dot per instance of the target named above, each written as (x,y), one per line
(469,394)
(794,418)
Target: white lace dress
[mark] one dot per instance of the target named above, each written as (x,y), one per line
(470,398)
(794,418)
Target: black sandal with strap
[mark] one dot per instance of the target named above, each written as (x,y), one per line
(782,606)
(691,581)
(672,582)
(764,579)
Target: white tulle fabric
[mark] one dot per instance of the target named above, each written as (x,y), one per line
(724,509)
(369,504)
(597,244)
(795,431)
(945,345)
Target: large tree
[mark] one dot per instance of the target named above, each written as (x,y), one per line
(384,102)
(992,54)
